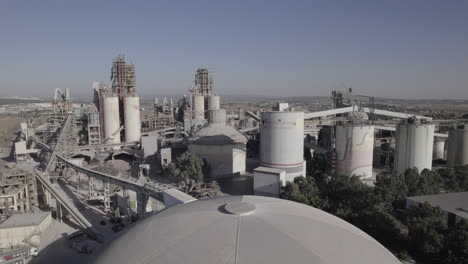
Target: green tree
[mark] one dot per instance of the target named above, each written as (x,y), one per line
(426,232)
(411,180)
(302,190)
(188,167)
(457,243)
(382,226)
(389,190)
(345,195)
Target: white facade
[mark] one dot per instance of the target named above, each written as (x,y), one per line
(18,229)
(198,107)
(282,142)
(111,119)
(223,159)
(132,118)
(438,151)
(414,145)
(213,102)
(268,181)
(354,150)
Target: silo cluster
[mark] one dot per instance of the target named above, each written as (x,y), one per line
(354,149)
(457,151)
(282,142)
(414,145)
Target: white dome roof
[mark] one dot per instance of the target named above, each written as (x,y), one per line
(244,229)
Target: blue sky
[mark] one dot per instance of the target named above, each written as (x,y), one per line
(388,48)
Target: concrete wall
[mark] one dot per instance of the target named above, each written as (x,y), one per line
(14,236)
(269,183)
(224,160)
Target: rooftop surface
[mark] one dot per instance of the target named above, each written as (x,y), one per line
(456,203)
(244,229)
(269,170)
(213,134)
(29,219)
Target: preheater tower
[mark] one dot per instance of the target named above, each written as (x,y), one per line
(282,142)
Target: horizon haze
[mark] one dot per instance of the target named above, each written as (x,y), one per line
(391,49)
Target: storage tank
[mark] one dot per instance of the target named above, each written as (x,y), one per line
(132,118)
(282,142)
(414,144)
(457,149)
(198,107)
(213,102)
(354,150)
(111,119)
(438,150)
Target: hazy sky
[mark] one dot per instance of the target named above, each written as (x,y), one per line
(392,48)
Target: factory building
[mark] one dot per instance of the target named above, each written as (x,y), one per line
(282,142)
(453,205)
(354,150)
(18,193)
(220,145)
(457,151)
(414,145)
(244,229)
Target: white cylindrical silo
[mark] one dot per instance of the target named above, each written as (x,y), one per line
(457,149)
(132,118)
(354,150)
(198,107)
(213,102)
(282,142)
(438,150)
(414,144)
(111,119)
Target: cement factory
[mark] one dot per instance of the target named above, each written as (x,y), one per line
(111,158)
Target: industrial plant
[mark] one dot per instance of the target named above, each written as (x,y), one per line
(94,168)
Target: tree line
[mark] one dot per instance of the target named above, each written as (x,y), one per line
(420,233)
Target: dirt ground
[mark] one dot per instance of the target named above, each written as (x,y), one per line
(9,124)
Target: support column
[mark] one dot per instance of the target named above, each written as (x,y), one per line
(128,209)
(142,200)
(59,211)
(90,187)
(106,196)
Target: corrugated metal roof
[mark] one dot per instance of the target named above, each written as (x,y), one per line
(28,219)
(267,230)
